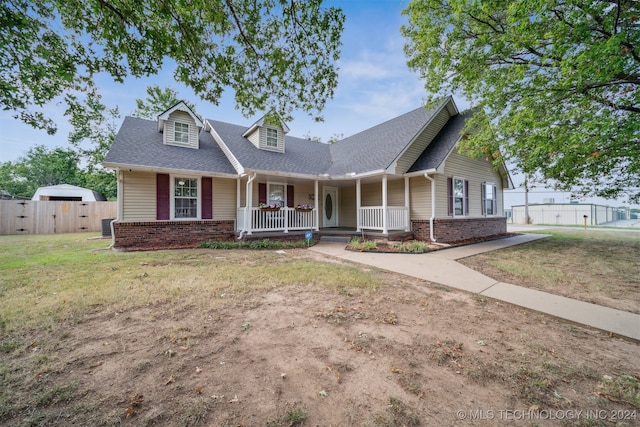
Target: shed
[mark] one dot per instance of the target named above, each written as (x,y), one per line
(66,192)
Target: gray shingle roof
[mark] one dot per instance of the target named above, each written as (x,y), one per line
(139,143)
(377,147)
(438,150)
(301,156)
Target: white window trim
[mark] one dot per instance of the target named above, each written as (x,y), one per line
(172,192)
(464,196)
(266,138)
(494,200)
(284,189)
(188,125)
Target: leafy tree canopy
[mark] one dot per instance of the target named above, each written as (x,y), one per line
(158,100)
(556,84)
(40,167)
(275,54)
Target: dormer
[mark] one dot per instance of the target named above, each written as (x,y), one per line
(180,126)
(268,133)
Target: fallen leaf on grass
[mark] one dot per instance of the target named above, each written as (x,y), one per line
(169,381)
(137,400)
(198,390)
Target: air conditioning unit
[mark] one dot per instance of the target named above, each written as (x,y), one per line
(549,201)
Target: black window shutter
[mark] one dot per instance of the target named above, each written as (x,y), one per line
(262,192)
(495,200)
(289,196)
(449,196)
(483,198)
(207,197)
(163,205)
(466,197)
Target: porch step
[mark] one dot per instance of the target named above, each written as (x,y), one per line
(341,239)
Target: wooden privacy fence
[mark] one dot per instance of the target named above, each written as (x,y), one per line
(39,217)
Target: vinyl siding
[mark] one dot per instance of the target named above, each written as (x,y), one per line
(301,194)
(408,158)
(371,194)
(254,137)
(420,198)
(182,117)
(224,199)
(476,171)
(139,196)
(395,192)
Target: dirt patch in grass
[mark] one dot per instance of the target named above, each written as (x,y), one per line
(593,266)
(324,351)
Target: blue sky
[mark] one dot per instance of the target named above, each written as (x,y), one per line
(375,85)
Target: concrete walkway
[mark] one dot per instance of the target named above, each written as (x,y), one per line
(441,267)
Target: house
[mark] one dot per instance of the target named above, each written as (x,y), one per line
(183,180)
(67,192)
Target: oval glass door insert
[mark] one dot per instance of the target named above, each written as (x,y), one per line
(328,206)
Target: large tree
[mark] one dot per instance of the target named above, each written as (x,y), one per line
(40,167)
(158,100)
(275,54)
(556,84)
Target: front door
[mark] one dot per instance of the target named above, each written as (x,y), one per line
(330,206)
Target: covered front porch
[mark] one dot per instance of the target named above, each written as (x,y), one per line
(288,205)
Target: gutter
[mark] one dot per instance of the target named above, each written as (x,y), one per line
(141,168)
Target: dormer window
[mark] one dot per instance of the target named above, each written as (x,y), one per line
(181,133)
(267,134)
(272,137)
(180,126)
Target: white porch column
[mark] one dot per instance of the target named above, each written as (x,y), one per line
(249,196)
(407,204)
(384,204)
(316,197)
(358,203)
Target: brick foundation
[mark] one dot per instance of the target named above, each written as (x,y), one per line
(459,229)
(142,236)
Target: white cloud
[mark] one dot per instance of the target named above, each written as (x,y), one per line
(363,70)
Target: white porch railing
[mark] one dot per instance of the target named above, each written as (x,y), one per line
(372,218)
(284,219)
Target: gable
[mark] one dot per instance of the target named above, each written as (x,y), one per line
(435,154)
(181,129)
(266,135)
(421,142)
(180,126)
(378,148)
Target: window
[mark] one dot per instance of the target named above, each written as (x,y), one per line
(272,137)
(181,133)
(489,202)
(458,195)
(185,198)
(276,194)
